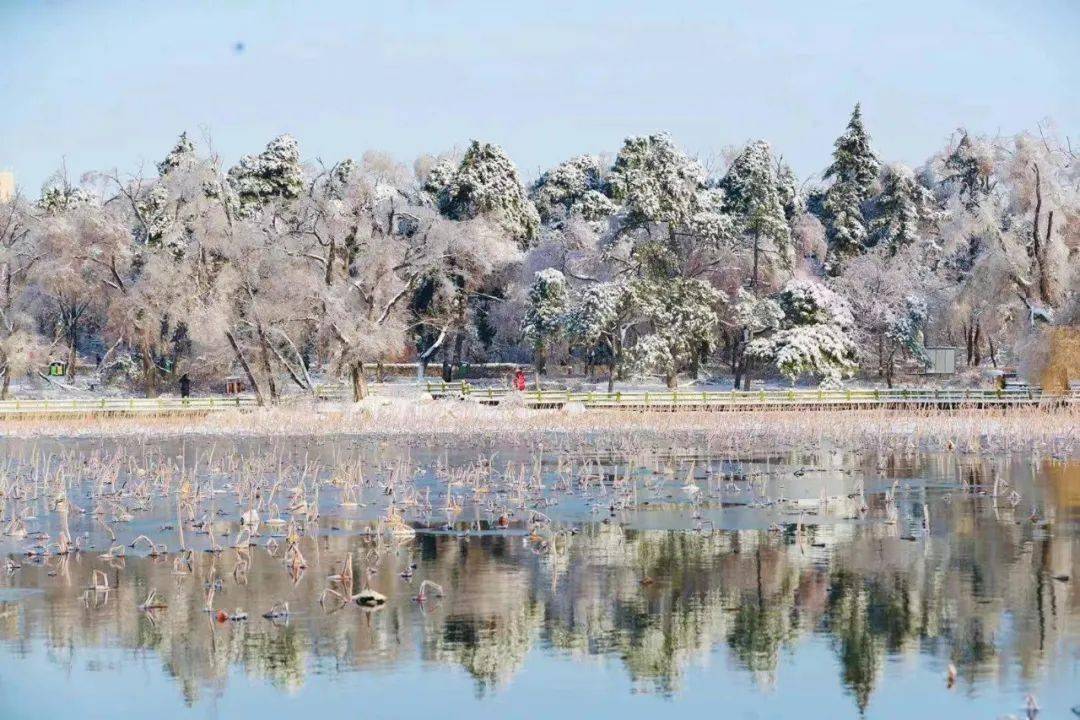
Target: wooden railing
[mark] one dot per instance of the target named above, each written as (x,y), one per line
(705,399)
(92,406)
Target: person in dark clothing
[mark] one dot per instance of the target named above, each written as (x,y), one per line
(447,371)
(185,386)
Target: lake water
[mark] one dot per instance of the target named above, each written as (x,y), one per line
(576,581)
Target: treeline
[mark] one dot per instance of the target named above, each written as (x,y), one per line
(640,264)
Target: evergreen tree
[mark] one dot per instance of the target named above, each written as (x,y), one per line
(182,153)
(853,159)
(485,183)
(901,207)
(854,173)
(789,192)
(545,313)
(575,187)
(656,182)
(755,199)
(275,173)
(966,167)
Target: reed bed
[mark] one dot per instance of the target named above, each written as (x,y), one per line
(1052,430)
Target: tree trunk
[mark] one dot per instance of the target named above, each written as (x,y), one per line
(611,377)
(1037,250)
(540,358)
(976,344)
(73,334)
(881,354)
(757,250)
(247,368)
(328,277)
(149,371)
(359,384)
(672,380)
(264,357)
(6,384)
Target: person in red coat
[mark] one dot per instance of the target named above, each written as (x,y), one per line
(519,379)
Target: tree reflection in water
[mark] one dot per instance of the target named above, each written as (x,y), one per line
(977,590)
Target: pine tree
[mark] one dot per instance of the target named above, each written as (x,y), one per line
(902,206)
(656,182)
(854,173)
(754,197)
(274,173)
(545,313)
(854,161)
(969,171)
(485,183)
(575,187)
(182,153)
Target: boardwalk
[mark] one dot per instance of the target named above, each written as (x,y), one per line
(865,398)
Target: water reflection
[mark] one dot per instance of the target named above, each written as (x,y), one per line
(944,574)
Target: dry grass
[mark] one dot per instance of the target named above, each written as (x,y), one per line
(1056,431)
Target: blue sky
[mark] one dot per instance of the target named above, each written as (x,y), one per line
(106,85)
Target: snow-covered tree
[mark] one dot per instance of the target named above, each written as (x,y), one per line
(815,338)
(20,343)
(888,295)
(182,154)
(754,197)
(545,313)
(485,184)
(854,172)
(575,187)
(854,160)
(61,197)
(275,173)
(671,223)
(903,207)
(656,182)
(681,320)
(787,187)
(599,319)
(968,168)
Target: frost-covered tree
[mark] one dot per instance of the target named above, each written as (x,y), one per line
(575,187)
(62,197)
(485,184)
(20,343)
(854,172)
(787,187)
(545,313)
(83,250)
(671,222)
(681,319)
(754,198)
(888,294)
(599,319)
(182,154)
(275,173)
(968,168)
(815,337)
(903,208)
